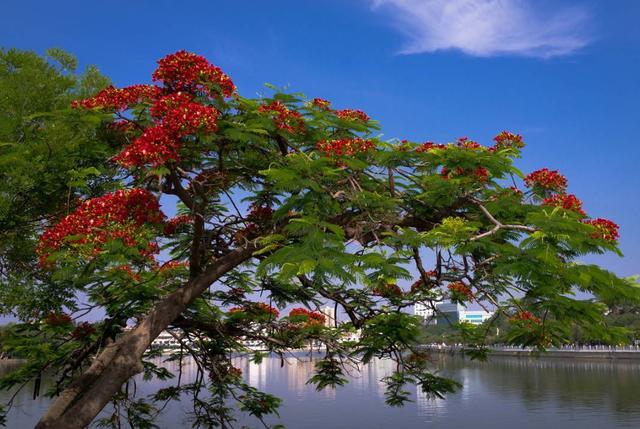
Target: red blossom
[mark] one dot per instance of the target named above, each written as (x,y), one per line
(256,308)
(482,174)
(403,146)
(464,142)
(284,118)
(479,173)
(389,290)
(310,317)
(265,308)
(118,99)
(260,213)
(419,284)
(235,372)
(508,140)
(117,215)
(176,116)
(348,147)
(515,191)
(527,317)
(82,331)
(353,115)
(129,271)
(156,146)
(605,229)
(173,265)
(58,319)
(179,114)
(321,104)
(460,292)
(427,146)
(548,180)
(185,71)
(567,202)
(172,224)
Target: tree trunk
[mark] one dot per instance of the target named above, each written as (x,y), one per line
(82,401)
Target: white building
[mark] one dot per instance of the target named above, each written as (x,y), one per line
(329,315)
(449,312)
(166,340)
(422,310)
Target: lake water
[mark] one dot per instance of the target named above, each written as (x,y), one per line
(502,393)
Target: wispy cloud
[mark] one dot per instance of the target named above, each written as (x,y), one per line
(488,28)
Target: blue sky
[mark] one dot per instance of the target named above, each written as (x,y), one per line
(564,74)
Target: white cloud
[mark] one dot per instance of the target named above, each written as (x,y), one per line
(488,28)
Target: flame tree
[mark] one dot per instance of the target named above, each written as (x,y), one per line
(301,202)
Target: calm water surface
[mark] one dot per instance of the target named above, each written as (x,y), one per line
(502,393)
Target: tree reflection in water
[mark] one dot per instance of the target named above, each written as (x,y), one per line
(519,392)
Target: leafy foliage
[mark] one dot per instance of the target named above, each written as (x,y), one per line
(50,156)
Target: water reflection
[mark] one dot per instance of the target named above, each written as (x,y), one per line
(504,392)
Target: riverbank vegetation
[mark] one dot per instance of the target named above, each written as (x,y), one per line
(622,315)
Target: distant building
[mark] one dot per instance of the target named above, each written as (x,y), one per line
(422,310)
(449,313)
(329,315)
(167,340)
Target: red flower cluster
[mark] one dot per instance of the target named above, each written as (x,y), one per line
(260,213)
(257,309)
(321,103)
(156,146)
(605,229)
(464,142)
(284,118)
(480,173)
(173,265)
(527,317)
(58,319)
(167,103)
(460,291)
(265,308)
(508,140)
(235,372)
(180,115)
(419,284)
(389,290)
(311,317)
(177,115)
(185,71)
(257,215)
(172,224)
(515,191)
(546,179)
(348,147)
(566,201)
(82,331)
(117,99)
(424,147)
(117,215)
(353,115)
(128,271)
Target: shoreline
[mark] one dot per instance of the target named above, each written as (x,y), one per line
(554,354)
